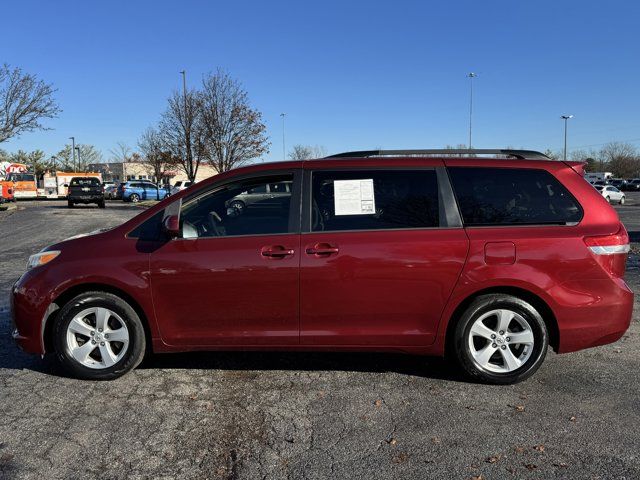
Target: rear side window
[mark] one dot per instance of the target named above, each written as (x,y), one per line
(512,196)
(374,200)
(89,181)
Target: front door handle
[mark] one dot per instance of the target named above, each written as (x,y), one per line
(322,249)
(276,251)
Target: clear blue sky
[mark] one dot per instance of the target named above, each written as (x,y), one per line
(349,75)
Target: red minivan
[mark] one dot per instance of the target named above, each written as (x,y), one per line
(489,260)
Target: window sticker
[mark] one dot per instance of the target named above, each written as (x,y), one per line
(354,197)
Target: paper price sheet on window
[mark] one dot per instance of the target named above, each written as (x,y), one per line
(354,197)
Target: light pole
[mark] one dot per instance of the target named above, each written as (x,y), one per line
(73,151)
(284,150)
(184,89)
(78,149)
(565,118)
(471,76)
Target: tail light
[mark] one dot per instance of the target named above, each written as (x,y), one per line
(611,251)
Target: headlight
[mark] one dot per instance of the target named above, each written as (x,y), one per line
(41,258)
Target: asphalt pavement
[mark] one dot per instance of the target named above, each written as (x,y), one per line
(307,415)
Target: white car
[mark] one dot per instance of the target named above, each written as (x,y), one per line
(179,186)
(612,194)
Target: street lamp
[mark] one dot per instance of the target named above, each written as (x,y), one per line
(471,76)
(565,118)
(73,151)
(284,151)
(78,149)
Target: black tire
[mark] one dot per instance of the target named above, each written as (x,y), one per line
(69,204)
(101,204)
(621,202)
(608,199)
(137,342)
(487,303)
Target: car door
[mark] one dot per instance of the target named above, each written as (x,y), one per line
(382,249)
(232,278)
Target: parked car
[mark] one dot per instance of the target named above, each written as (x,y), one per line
(137,190)
(110,191)
(633,185)
(619,183)
(179,186)
(261,196)
(85,190)
(612,194)
(487,260)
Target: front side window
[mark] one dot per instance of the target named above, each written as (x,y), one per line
(235,210)
(512,196)
(374,200)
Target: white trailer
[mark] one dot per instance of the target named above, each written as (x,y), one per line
(593,177)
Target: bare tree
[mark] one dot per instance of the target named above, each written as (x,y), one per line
(620,158)
(121,152)
(84,156)
(306,152)
(234,132)
(591,157)
(24,102)
(182,132)
(155,159)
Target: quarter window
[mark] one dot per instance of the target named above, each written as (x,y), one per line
(512,196)
(374,200)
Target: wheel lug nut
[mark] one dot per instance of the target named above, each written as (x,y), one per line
(494,345)
(99,329)
(106,335)
(504,347)
(501,332)
(102,344)
(93,342)
(93,333)
(493,335)
(508,339)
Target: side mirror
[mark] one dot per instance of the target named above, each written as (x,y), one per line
(171,226)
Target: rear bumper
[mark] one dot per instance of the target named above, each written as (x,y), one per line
(86,199)
(592,313)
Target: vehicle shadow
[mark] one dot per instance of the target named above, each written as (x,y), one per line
(365,362)
(12,358)
(93,206)
(634,236)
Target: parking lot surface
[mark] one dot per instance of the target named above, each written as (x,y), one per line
(303,415)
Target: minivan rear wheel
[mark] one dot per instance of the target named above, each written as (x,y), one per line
(500,339)
(98,336)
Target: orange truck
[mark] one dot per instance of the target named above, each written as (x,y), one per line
(6,191)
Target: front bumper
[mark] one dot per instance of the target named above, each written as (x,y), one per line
(29,310)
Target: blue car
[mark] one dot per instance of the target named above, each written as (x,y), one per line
(137,190)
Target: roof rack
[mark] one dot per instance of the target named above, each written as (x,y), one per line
(519,154)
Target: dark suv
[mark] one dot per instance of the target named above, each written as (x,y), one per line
(85,190)
(487,260)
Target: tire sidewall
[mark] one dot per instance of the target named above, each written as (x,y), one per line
(136,347)
(487,303)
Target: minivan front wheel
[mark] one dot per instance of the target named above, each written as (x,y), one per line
(98,336)
(500,339)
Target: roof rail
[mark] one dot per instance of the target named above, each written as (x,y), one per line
(520,154)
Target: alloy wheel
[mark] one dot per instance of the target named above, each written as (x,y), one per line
(500,341)
(97,338)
